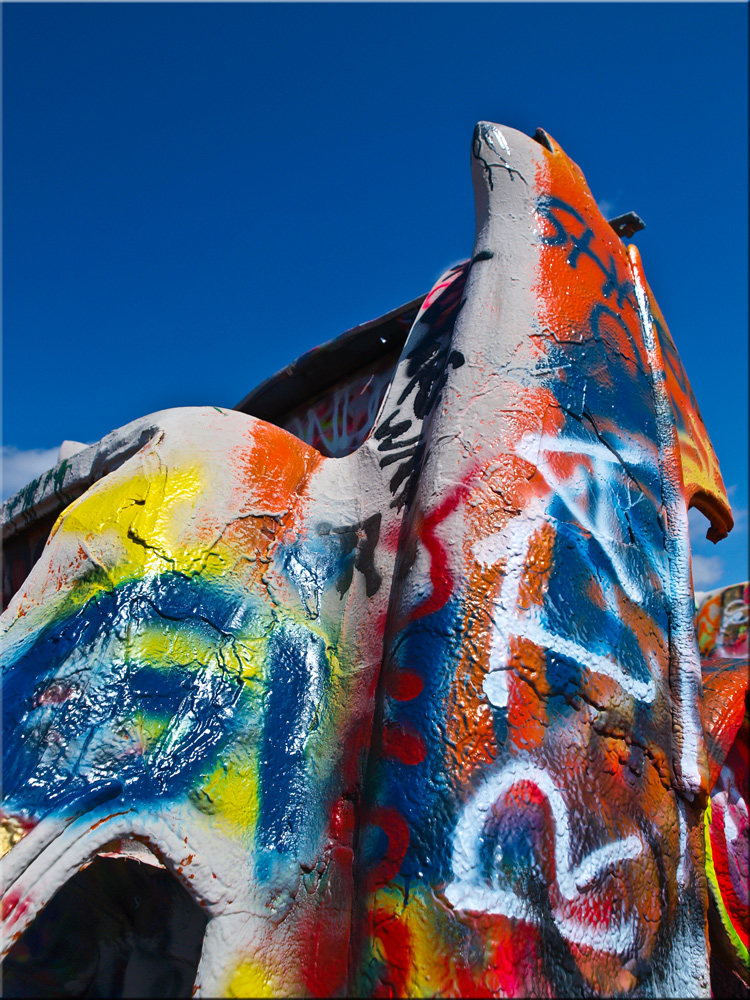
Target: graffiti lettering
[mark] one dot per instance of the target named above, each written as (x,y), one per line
(408,721)
(427,366)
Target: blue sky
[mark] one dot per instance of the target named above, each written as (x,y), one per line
(194,194)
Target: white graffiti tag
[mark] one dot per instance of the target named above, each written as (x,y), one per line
(476,889)
(595,488)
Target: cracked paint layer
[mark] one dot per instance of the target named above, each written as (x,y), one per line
(414,706)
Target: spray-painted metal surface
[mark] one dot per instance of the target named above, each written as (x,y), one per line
(722,628)
(423,719)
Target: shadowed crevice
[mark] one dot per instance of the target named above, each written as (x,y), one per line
(119,928)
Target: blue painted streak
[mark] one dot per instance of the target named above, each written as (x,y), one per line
(423,793)
(55,753)
(299,676)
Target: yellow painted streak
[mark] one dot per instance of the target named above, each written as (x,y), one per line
(427,969)
(178,646)
(234,794)
(150,728)
(185,645)
(138,520)
(251,980)
(713,882)
(11,831)
(433,961)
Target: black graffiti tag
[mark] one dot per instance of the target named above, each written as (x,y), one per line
(428,364)
(361,540)
(551,209)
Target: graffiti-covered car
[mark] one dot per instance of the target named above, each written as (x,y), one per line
(386,683)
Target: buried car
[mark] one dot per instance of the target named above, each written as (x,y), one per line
(399,686)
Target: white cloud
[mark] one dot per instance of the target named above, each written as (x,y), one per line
(605,207)
(21,465)
(707,572)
